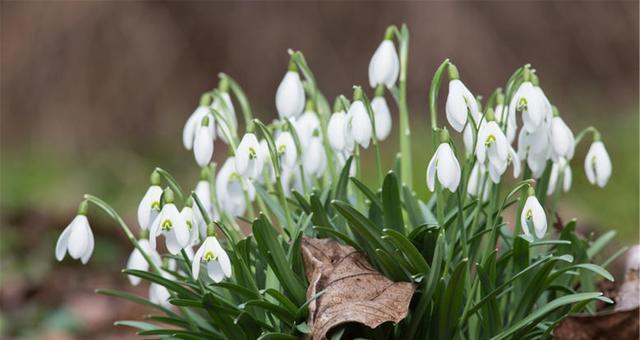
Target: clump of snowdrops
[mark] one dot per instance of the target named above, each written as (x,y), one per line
(477,276)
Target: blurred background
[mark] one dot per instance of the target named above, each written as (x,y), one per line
(94,95)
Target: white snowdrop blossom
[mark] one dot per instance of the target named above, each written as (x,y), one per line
(445,167)
(359,124)
(224,106)
(560,169)
(512,125)
(138,262)
(460,102)
(535,147)
(384,66)
(597,164)
(230,191)
(190,218)
(248,160)
(382,117)
(149,206)
(307,127)
(533,217)
(76,239)
(214,257)
(290,98)
(286,149)
(172,225)
(159,294)
(336,131)
(529,101)
(203,143)
(315,158)
(492,146)
(190,127)
(477,179)
(562,140)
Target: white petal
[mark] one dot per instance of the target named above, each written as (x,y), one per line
(456,106)
(382,117)
(223,258)
(203,146)
(136,261)
(431,172)
(515,161)
(189,131)
(197,258)
(384,66)
(448,169)
(63,242)
(553,179)
(602,164)
(335,131)
(523,218)
(360,124)
(249,147)
(290,95)
(286,145)
(467,138)
(78,238)
(568,177)
(214,270)
(144,208)
(90,244)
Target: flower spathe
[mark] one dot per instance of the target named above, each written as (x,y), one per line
(214,257)
(445,167)
(384,66)
(382,116)
(76,239)
(173,226)
(533,217)
(138,262)
(248,160)
(597,164)
(290,96)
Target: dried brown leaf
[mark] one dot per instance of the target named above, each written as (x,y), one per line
(353,290)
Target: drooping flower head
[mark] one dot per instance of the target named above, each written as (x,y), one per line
(137,261)
(597,164)
(384,66)
(290,94)
(382,115)
(190,127)
(248,160)
(443,166)
(149,206)
(230,188)
(77,237)
(531,101)
(213,256)
(560,171)
(561,138)
(203,143)
(171,224)
(492,147)
(358,123)
(533,216)
(286,149)
(460,102)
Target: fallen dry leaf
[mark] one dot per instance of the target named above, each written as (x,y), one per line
(621,324)
(353,290)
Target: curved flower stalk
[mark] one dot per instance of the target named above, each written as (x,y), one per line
(384,66)
(137,261)
(222,103)
(171,224)
(533,216)
(460,102)
(597,164)
(214,257)
(443,166)
(290,94)
(76,238)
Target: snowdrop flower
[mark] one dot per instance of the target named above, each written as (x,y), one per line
(214,257)
(535,147)
(559,168)
(307,127)
(248,160)
(444,166)
(529,101)
(382,117)
(315,158)
(290,94)
(159,294)
(336,131)
(533,216)
(149,206)
(492,145)
(359,124)
(190,127)
(171,224)
(476,184)
(286,149)
(203,143)
(460,101)
(562,140)
(137,261)
(223,104)
(76,238)
(230,191)
(189,217)
(597,164)
(384,66)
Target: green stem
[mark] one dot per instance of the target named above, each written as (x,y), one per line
(405,131)
(374,138)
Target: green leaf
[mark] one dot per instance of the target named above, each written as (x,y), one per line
(340,236)
(302,201)
(360,225)
(343,181)
(450,306)
(391,203)
(275,310)
(367,192)
(277,336)
(145,326)
(600,243)
(136,299)
(169,284)
(272,204)
(283,300)
(222,321)
(408,249)
(538,314)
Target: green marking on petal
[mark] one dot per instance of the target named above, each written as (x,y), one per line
(209,255)
(167,225)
